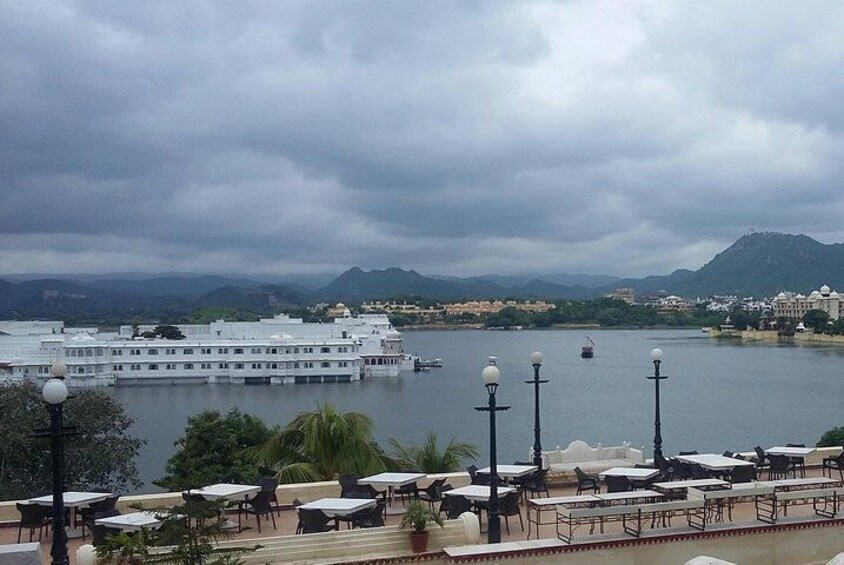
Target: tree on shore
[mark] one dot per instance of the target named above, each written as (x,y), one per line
(213,450)
(321,445)
(101,454)
(427,457)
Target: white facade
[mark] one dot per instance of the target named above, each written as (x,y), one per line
(796,306)
(279,350)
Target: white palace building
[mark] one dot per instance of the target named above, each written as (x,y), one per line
(278,350)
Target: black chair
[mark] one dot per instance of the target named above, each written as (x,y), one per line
(473,473)
(761,459)
(432,492)
(371,517)
(834,463)
(798,461)
(535,483)
(692,452)
(510,507)
(270,484)
(617,484)
(779,467)
(586,482)
(739,456)
(666,469)
(446,500)
(348,483)
(314,521)
(682,470)
(367,491)
(260,505)
(742,474)
(699,472)
(407,492)
(33,517)
(728,454)
(457,505)
(82,514)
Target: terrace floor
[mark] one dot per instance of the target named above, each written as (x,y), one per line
(286,524)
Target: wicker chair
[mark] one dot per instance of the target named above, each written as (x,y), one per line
(510,507)
(33,517)
(432,492)
(314,521)
(457,505)
(831,464)
(348,483)
(586,482)
(371,517)
(798,461)
(261,505)
(270,484)
(779,468)
(618,484)
(535,483)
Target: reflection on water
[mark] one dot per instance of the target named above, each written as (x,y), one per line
(721,394)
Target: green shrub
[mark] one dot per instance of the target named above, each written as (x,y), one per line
(832,438)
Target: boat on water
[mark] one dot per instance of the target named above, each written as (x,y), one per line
(588,349)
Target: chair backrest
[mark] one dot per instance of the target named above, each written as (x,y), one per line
(742,474)
(434,490)
(348,483)
(693,452)
(31,514)
(457,505)
(297,503)
(312,520)
(268,483)
(104,505)
(698,472)
(510,504)
(98,534)
(261,502)
(481,479)
(739,456)
(727,454)
(760,453)
(779,463)
(371,517)
(363,491)
(472,470)
(795,445)
(581,476)
(617,484)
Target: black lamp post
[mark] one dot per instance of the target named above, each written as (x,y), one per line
(656,356)
(55,393)
(491,375)
(536,361)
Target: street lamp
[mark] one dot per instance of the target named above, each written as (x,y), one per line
(491,375)
(536,361)
(55,393)
(656,357)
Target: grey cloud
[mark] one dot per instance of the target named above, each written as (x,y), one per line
(451,137)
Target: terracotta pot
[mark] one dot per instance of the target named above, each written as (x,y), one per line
(419,542)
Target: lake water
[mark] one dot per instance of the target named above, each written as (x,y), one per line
(719,394)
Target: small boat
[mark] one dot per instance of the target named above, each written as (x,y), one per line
(588,350)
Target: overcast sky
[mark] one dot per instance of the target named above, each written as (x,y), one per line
(462,138)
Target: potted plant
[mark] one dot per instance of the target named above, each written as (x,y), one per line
(416,519)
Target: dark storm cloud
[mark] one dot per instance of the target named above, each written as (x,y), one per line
(451,137)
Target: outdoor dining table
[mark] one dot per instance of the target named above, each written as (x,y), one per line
(132,522)
(391,480)
(714,462)
(802,483)
(478,493)
(642,473)
(228,491)
(790,451)
(72,500)
(509,471)
(339,507)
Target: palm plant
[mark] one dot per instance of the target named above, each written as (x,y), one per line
(321,445)
(429,458)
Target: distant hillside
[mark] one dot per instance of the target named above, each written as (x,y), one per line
(170,286)
(356,285)
(763,264)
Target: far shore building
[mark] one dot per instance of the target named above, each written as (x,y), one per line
(480,307)
(795,306)
(625,294)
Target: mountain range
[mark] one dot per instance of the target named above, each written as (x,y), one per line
(758,264)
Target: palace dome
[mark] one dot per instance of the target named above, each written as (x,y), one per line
(825,290)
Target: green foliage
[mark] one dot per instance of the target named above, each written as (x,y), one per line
(321,445)
(187,536)
(417,517)
(102,454)
(428,457)
(213,313)
(832,438)
(168,332)
(213,450)
(816,319)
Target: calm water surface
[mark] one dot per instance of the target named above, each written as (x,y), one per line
(719,395)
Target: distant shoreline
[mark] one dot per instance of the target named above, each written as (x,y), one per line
(596,327)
